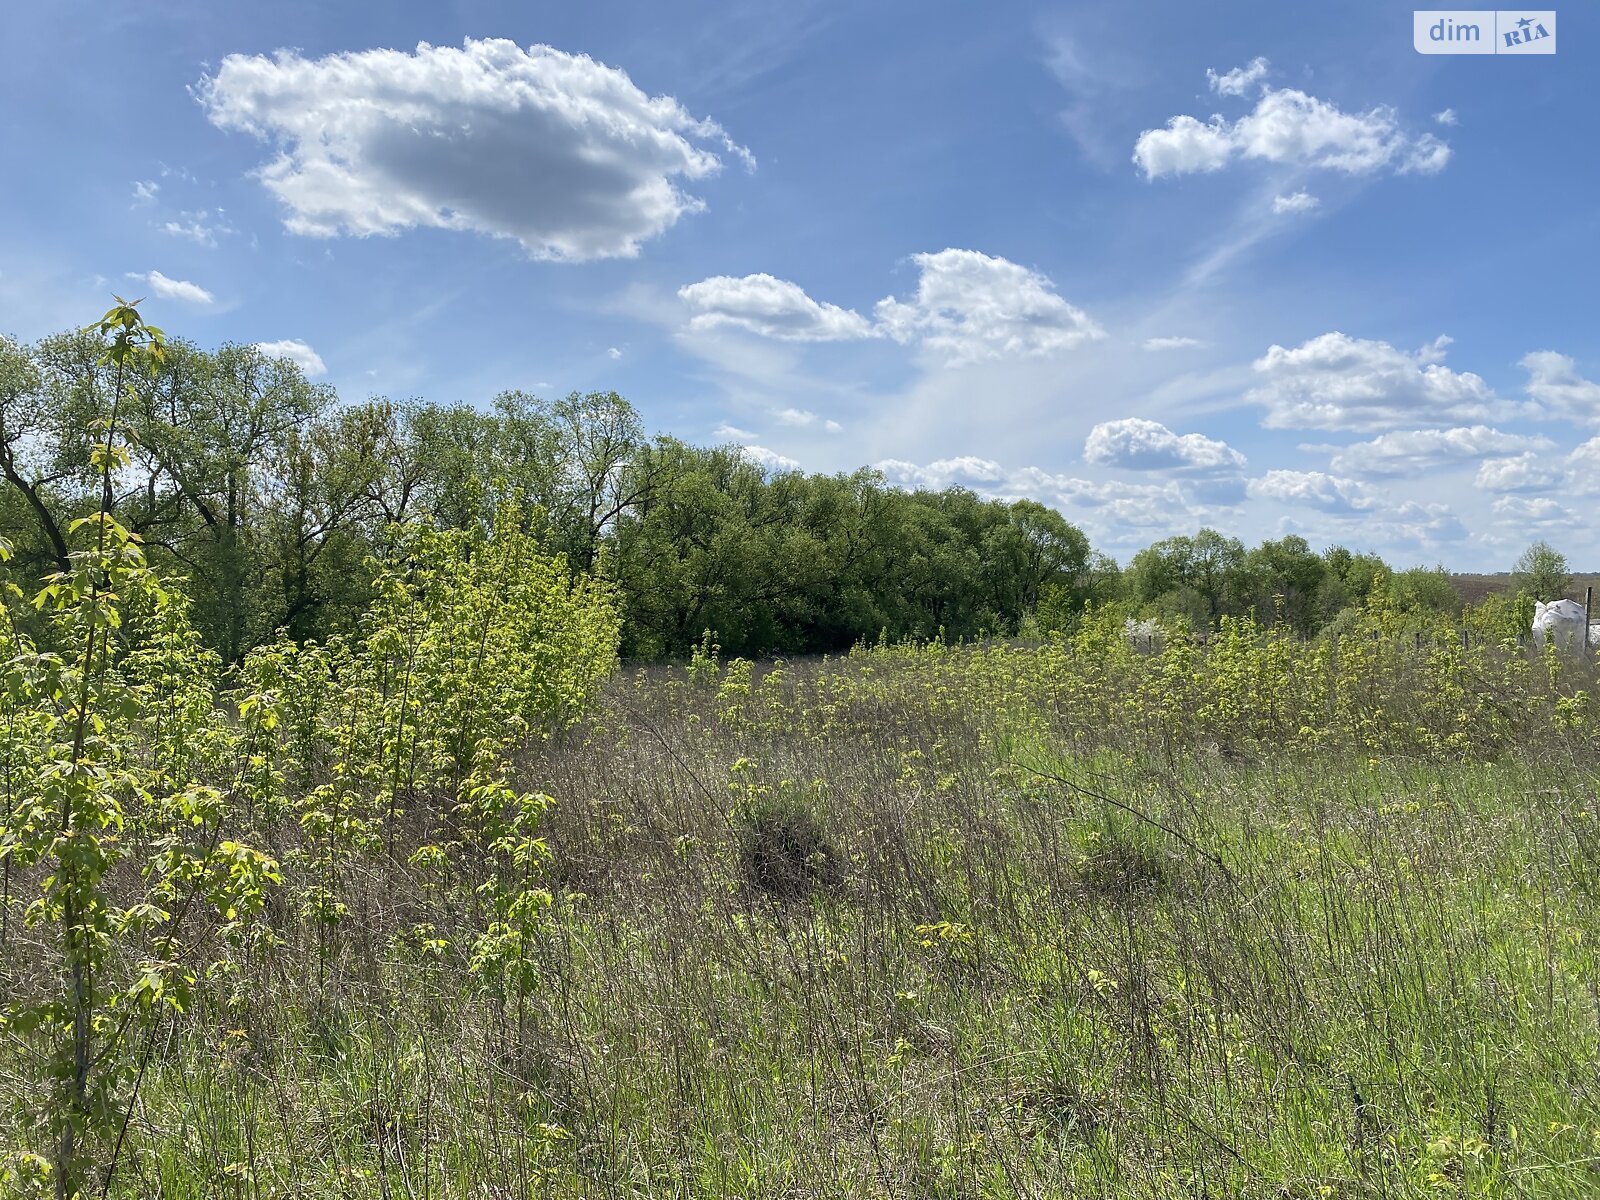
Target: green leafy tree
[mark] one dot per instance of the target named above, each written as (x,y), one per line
(1424,590)
(1034,549)
(1287,577)
(121,756)
(213,436)
(1205,576)
(50,398)
(1541,571)
(1504,616)
(1098,584)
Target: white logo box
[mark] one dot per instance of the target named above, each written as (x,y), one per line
(1484,31)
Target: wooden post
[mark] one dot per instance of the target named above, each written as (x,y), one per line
(1463,637)
(1588,601)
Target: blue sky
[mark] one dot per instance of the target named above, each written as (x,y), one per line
(1158,265)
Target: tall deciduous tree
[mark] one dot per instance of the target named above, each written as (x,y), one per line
(1541,571)
(1200,577)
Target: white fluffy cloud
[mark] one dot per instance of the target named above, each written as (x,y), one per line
(1447,117)
(1239,80)
(768,460)
(1185,147)
(1289,127)
(732,433)
(1292,127)
(966,471)
(557,151)
(175,289)
(1340,382)
(1315,489)
(1412,451)
(1297,202)
(1112,511)
(1414,524)
(1172,343)
(145,191)
(296,351)
(1520,473)
(970,307)
(1535,514)
(772,307)
(1577,473)
(1128,516)
(1583,468)
(1554,382)
(1129,512)
(1140,445)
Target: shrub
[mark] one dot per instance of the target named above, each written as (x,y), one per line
(783,849)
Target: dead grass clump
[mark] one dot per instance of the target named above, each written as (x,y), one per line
(784,851)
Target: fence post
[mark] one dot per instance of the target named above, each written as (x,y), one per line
(1588,599)
(1463,638)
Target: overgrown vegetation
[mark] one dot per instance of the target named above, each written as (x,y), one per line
(443,904)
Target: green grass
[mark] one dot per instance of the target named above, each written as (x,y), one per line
(1007,962)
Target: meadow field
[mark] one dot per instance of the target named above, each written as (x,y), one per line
(1269,919)
(798,601)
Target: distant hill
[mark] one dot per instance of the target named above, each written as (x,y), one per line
(1473,588)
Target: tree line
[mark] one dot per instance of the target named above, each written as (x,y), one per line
(272,499)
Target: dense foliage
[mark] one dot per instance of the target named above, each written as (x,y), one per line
(152,800)
(269,498)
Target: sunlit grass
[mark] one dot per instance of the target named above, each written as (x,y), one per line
(1025,951)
